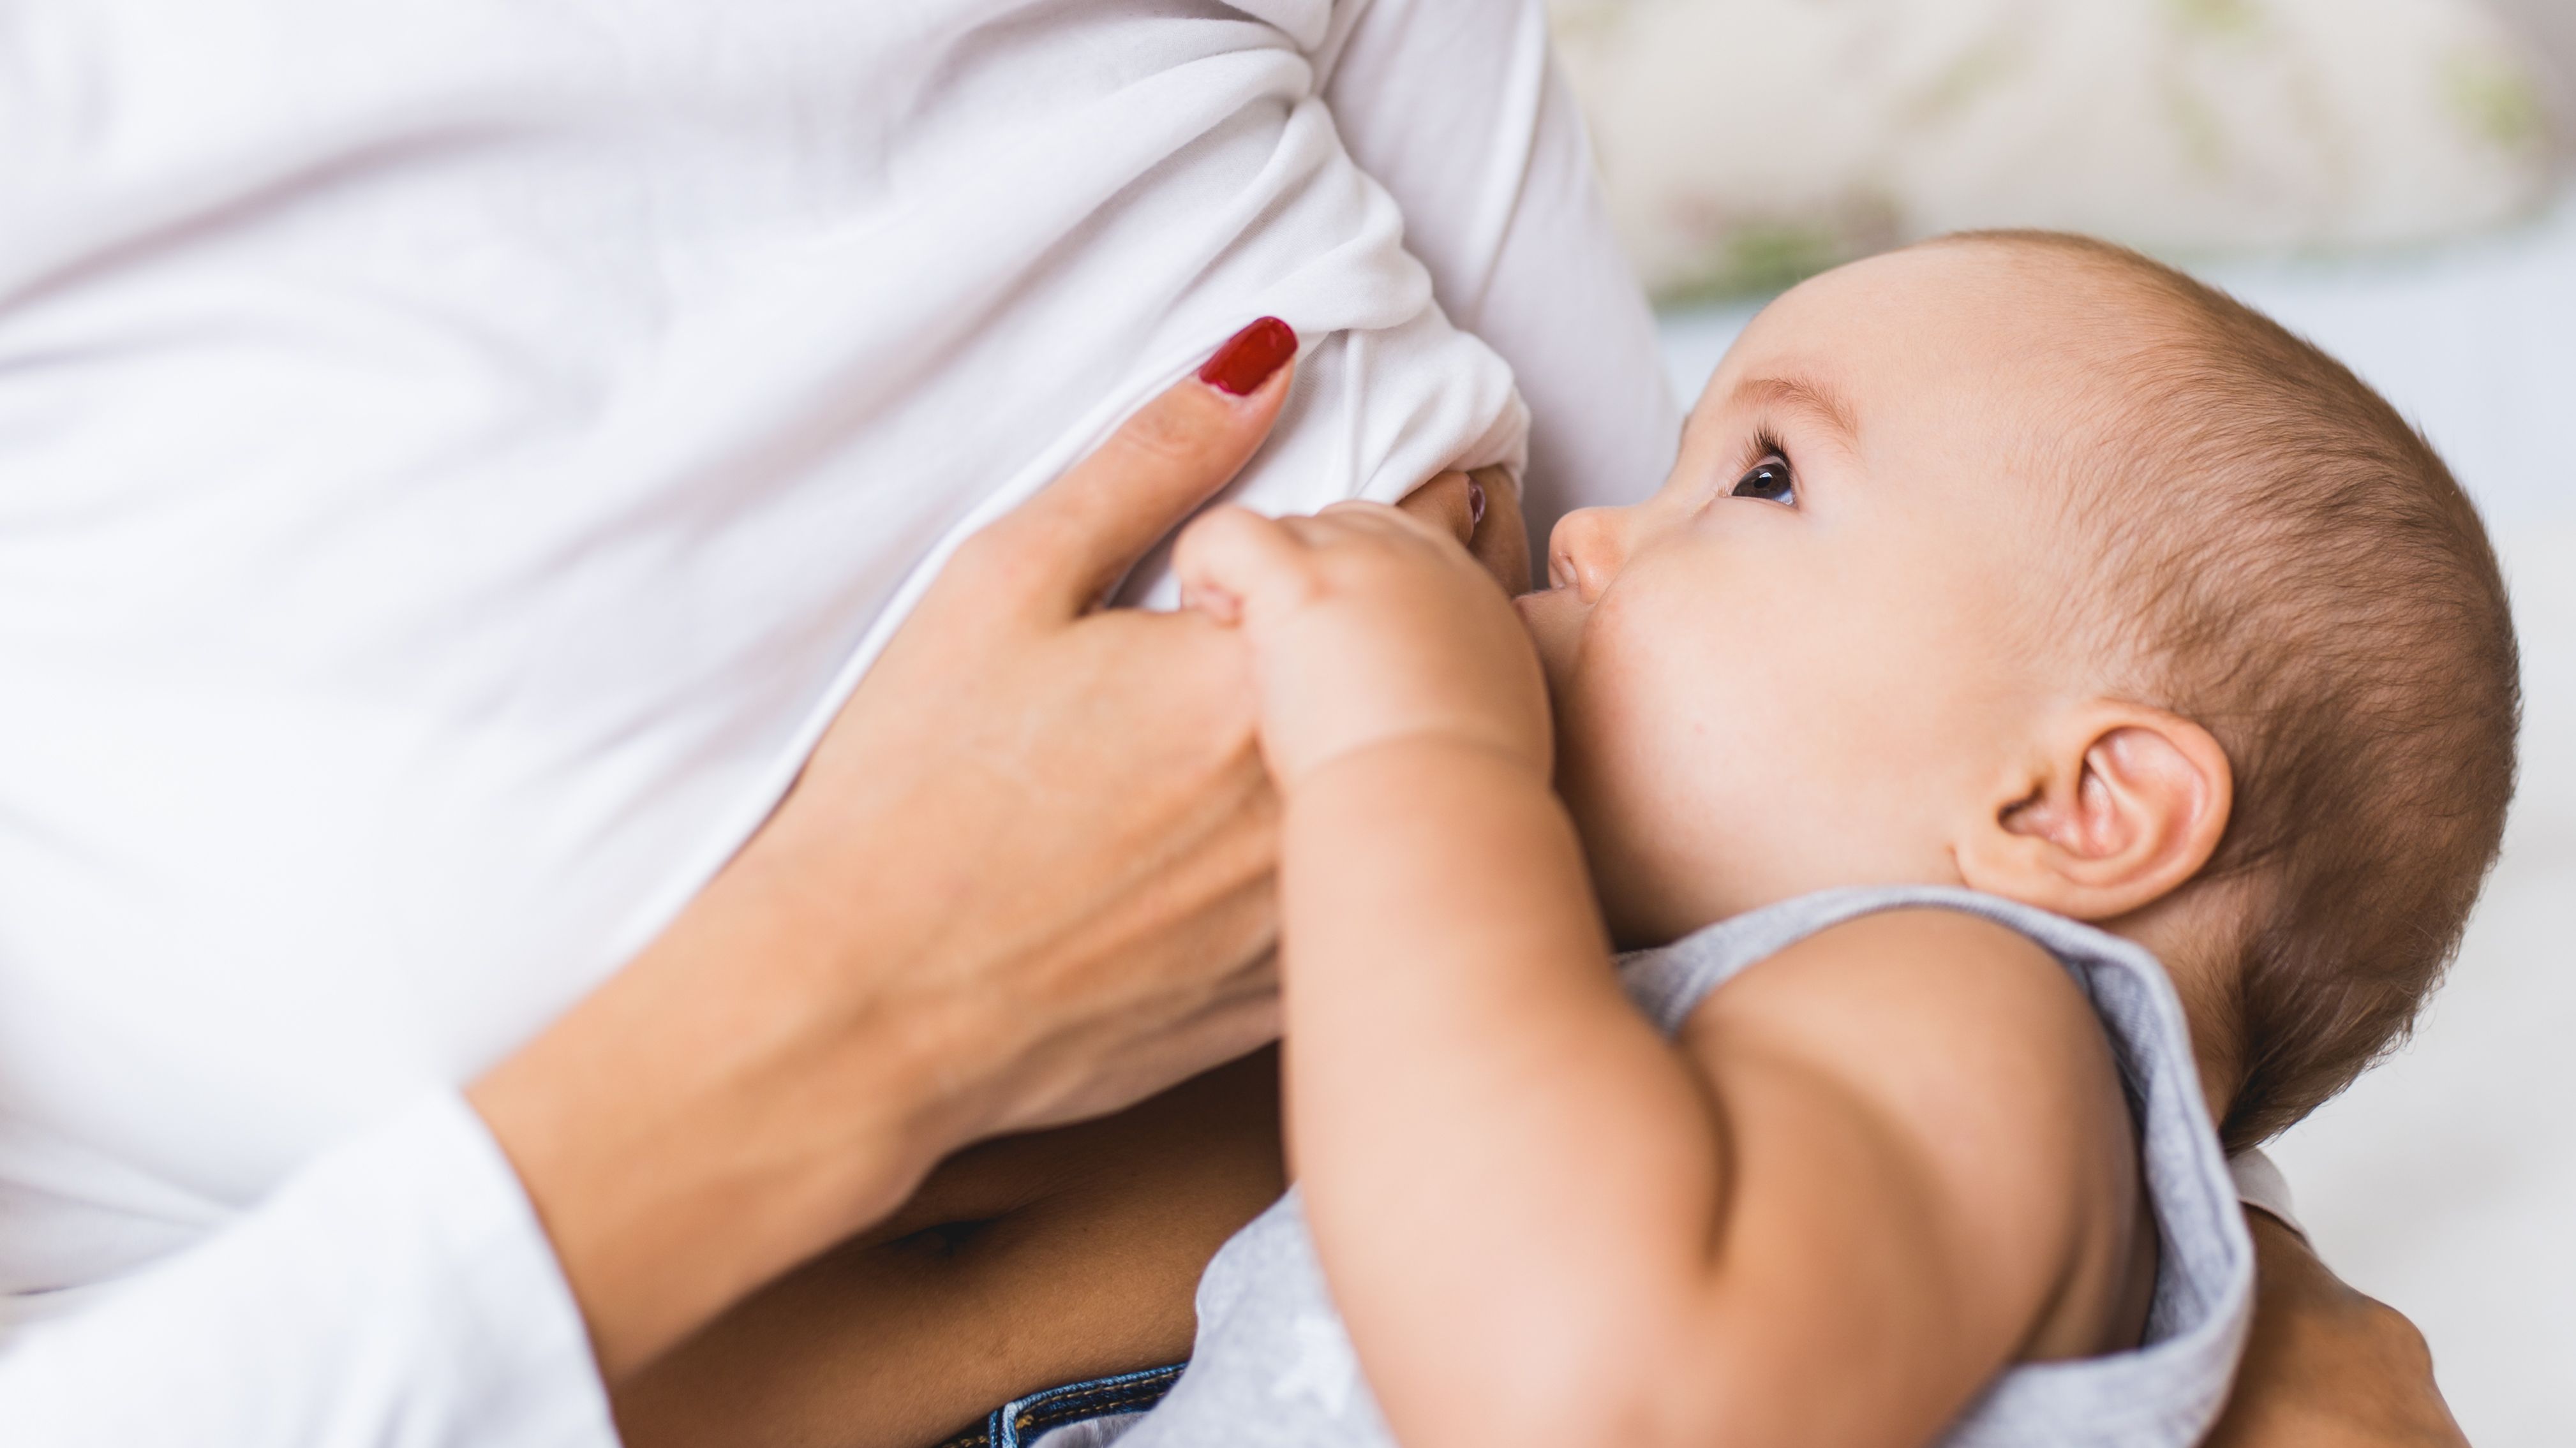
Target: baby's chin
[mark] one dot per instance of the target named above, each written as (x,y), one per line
(1660,873)
(1643,901)
(1555,624)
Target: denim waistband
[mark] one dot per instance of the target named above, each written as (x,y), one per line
(1023,1421)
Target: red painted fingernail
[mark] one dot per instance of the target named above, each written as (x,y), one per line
(1249,357)
(1475,503)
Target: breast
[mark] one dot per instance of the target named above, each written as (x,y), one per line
(461,453)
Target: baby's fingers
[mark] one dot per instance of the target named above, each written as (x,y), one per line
(1235,564)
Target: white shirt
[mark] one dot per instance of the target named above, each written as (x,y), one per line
(454,457)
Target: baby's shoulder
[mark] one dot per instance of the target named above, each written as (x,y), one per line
(1920,981)
(1974,1049)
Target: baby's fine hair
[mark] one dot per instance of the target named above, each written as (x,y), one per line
(2293,567)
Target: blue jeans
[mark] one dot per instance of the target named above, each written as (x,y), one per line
(1022,1421)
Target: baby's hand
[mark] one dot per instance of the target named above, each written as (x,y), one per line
(1368,627)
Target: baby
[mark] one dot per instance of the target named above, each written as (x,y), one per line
(2053,724)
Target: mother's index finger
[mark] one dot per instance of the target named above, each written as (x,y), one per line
(1074,539)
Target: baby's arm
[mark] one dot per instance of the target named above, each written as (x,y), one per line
(1884,1167)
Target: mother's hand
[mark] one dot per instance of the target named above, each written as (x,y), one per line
(2327,1367)
(1025,877)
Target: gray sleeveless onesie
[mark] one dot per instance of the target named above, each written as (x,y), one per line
(1272,1367)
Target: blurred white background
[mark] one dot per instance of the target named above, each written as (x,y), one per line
(2445,1182)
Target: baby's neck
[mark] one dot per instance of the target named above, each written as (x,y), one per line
(2182,933)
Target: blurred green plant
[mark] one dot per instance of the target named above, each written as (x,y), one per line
(2496,101)
(1765,260)
(2217,17)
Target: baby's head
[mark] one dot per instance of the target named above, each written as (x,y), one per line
(2021,562)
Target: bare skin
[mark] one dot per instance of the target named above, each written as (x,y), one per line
(1021,1264)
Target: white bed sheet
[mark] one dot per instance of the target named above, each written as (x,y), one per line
(2445,1182)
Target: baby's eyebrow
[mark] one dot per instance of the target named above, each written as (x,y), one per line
(1802,394)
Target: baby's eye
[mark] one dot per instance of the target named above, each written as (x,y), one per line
(1769,480)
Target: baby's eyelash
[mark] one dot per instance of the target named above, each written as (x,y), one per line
(1766,444)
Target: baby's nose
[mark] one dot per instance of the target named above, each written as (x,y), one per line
(1586,550)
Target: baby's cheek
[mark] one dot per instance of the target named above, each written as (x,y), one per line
(1644,778)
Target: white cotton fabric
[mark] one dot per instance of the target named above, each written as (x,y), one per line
(2260,1184)
(455,455)
(395,1291)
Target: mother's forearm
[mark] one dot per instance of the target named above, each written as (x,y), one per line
(647,1123)
(1020,1264)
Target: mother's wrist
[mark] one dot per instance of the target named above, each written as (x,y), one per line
(859,946)
(752,1088)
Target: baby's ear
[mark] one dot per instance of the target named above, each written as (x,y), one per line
(2115,806)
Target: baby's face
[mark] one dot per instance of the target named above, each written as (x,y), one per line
(1809,660)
